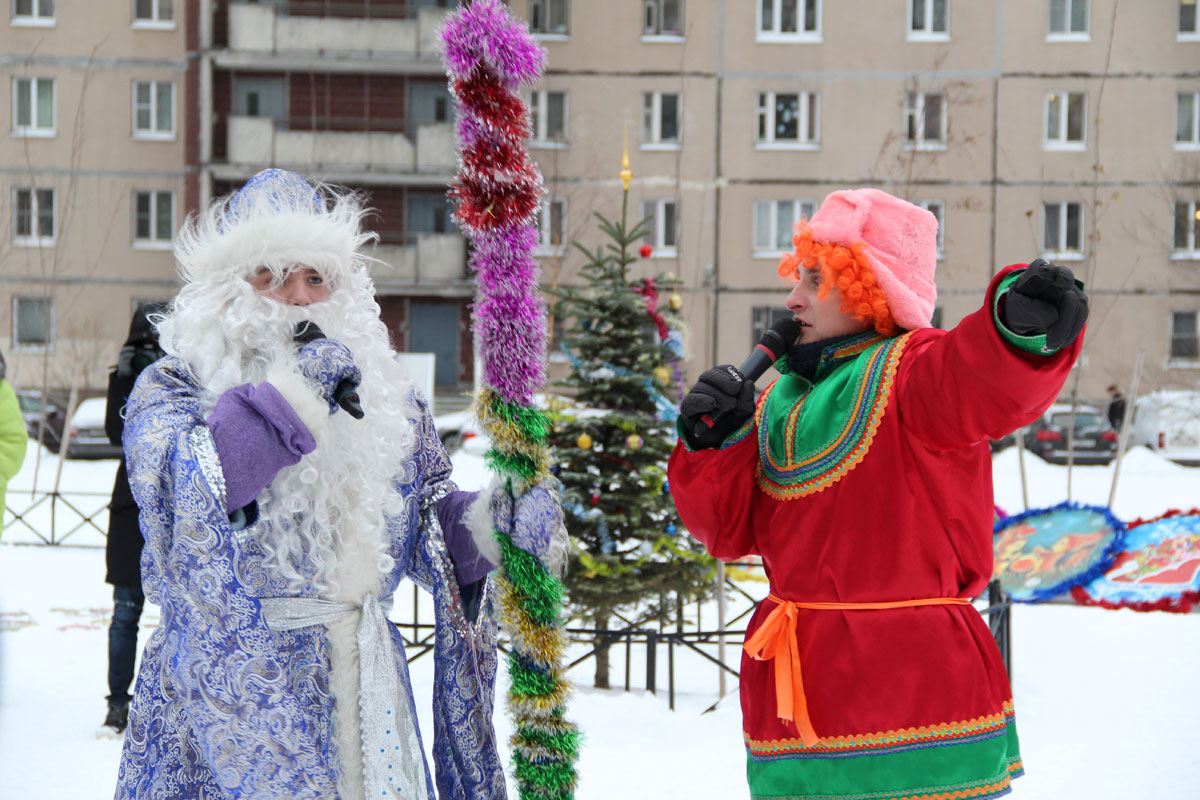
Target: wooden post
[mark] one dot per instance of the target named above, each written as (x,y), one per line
(1123,438)
(721,688)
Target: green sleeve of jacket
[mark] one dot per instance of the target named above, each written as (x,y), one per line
(13,438)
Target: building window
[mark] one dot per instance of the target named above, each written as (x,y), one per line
(548,16)
(660,118)
(552,226)
(33,106)
(1187,120)
(1185,338)
(33,12)
(1066,120)
(789,20)
(925,120)
(662,18)
(1068,19)
(154,13)
(33,217)
(662,218)
(153,218)
(1186,241)
(548,117)
(1062,234)
(774,223)
(154,109)
(927,19)
(1187,20)
(762,318)
(788,118)
(938,209)
(33,322)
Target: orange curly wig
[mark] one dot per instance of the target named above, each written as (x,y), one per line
(844,267)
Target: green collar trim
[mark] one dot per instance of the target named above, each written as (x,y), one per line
(812,434)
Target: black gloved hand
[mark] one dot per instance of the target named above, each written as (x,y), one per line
(1046,299)
(716,406)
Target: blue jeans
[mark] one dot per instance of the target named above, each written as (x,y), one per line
(122,640)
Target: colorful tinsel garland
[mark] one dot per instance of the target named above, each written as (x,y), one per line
(489,57)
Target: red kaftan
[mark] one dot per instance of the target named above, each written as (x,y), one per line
(911,519)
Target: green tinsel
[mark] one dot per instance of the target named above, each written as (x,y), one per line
(553,781)
(532,422)
(541,594)
(511,463)
(529,682)
(566,742)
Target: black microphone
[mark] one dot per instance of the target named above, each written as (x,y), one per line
(346,393)
(773,344)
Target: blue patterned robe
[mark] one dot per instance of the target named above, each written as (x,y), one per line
(224,707)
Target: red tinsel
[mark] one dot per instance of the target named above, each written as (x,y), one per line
(649,290)
(484,97)
(484,205)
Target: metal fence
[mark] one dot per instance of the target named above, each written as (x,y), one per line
(51,517)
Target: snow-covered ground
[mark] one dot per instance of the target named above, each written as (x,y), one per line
(1106,700)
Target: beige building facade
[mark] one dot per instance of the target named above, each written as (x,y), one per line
(1068,129)
(1065,129)
(92,157)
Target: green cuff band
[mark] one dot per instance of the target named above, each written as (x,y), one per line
(1029,344)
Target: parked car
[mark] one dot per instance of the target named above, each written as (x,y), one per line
(44,415)
(85,435)
(1004,441)
(1168,422)
(1095,441)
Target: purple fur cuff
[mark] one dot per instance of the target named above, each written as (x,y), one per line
(469,564)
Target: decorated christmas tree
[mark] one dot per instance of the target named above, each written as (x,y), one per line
(624,338)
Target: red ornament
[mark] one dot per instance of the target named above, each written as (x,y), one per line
(596,499)
(645,250)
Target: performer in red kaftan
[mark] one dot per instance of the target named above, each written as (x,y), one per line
(863,480)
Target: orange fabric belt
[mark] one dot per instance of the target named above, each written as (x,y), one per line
(776,638)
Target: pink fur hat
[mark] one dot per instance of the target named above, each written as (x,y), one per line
(899,241)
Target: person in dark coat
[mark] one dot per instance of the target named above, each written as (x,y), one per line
(123,552)
(1116,407)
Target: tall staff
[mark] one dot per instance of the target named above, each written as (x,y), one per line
(489,58)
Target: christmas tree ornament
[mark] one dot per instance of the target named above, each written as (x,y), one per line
(491,61)
(584,442)
(675,301)
(633,442)
(662,375)
(670,529)
(645,251)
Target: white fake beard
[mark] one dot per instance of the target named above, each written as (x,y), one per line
(322,521)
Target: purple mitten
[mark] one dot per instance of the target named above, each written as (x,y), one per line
(469,564)
(256,433)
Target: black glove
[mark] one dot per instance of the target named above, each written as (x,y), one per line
(716,406)
(1045,299)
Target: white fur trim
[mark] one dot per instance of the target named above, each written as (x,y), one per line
(343,685)
(479,521)
(302,397)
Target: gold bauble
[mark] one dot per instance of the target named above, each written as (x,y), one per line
(633,442)
(675,301)
(662,375)
(584,442)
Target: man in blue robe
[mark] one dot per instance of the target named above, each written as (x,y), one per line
(289,477)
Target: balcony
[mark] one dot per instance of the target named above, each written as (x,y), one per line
(427,157)
(276,35)
(426,258)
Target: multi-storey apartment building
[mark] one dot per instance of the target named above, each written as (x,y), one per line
(351,92)
(1068,129)
(92,157)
